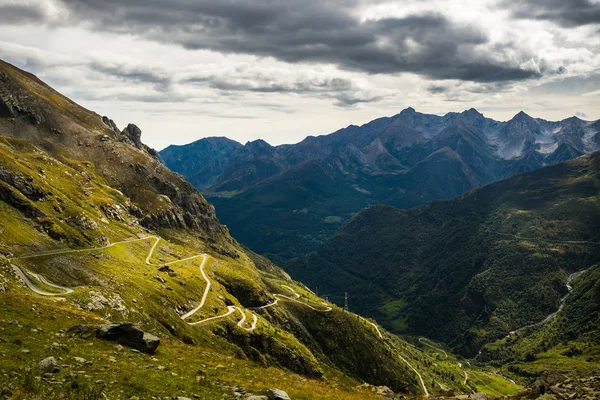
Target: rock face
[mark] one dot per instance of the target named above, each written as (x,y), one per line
(133,133)
(276,394)
(123,333)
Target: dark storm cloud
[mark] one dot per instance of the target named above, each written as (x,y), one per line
(20,13)
(137,74)
(343,91)
(309,31)
(567,13)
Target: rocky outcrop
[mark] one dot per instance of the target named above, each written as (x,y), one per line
(123,333)
(13,197)
(11,105)
(134,134)
(111,124)
(24,184)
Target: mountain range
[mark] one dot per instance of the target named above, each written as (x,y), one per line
(283,201)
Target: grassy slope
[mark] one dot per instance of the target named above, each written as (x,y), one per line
(457,270)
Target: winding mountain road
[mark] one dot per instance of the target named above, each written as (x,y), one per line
(425,342)
(400,356)
(230,309)
(21,274)
(295,298)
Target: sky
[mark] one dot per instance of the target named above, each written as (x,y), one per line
(281,70)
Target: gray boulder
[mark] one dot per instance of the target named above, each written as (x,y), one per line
(123,333)
(276,394)
(128,335)
(48,365)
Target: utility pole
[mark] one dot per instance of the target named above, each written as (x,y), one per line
(346,301)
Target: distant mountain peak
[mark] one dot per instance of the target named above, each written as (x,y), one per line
(522,115)
(257,143)
(472,111)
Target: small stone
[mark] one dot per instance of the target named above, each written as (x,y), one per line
(79,360)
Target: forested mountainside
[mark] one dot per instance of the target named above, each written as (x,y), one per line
(470,270)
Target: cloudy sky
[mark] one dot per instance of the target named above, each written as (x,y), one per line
(284,69)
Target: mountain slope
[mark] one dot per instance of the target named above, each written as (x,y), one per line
(469,270)
(376,163)
(95,230)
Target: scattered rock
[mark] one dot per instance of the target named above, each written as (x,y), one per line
(160,279)
(277,394)
(48,365)
(543,383)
